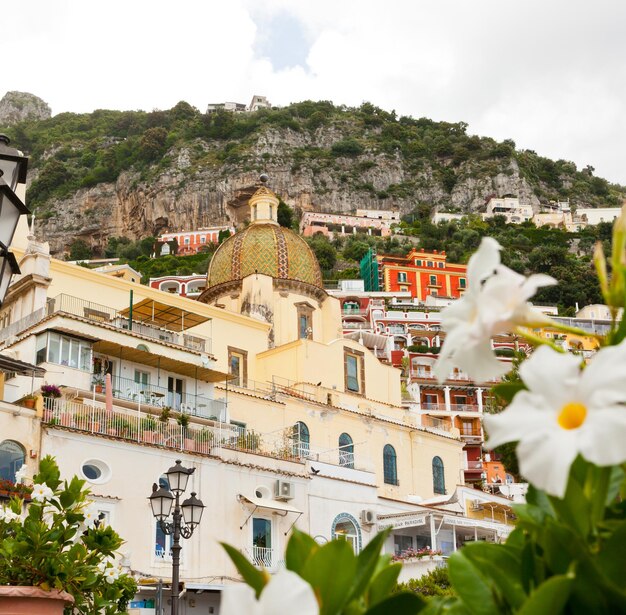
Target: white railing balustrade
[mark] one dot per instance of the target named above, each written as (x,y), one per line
(263,557)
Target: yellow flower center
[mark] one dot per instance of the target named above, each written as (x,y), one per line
(572,415)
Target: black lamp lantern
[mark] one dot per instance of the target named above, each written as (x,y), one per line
(8,267)
(13,164)
(178,476)
(161,502)
(192,510)
(11,208)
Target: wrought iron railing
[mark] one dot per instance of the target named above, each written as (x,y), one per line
(159,397)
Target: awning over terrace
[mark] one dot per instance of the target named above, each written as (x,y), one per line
(8,365)
(270,505)
(163,315)
(158,361)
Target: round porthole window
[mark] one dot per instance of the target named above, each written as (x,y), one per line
(262,492)
(96,471)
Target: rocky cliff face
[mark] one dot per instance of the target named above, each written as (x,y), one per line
(177,200)
(16,107)
(181,169)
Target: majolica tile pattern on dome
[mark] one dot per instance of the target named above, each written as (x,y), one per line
(268,249)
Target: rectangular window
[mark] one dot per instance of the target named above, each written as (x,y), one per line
(401,276)
(354,371)
(52,347)
(440,265)
(433,280)
(467,428)
(203,239)
(262,542)
(430,263)
(462,282)
(238,366)
(305,320)
(418,262)
(402,544)
(187,240)
(303,326)
(162,545)
(352,365)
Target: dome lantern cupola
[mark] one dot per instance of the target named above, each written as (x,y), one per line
(264,205)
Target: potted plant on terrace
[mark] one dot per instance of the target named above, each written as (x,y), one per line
(28,401)
(50,392)
(53,556)
(188,442)
(148,428)
(9,489)
(98,382)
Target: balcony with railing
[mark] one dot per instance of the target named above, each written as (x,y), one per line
(110,317)
(437,425)
(159,397)
(263,557)
(144,427)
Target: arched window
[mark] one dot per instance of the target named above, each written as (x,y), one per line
(12,457)
(301,440)
(389,465)
(439,480)
(345,526)
(346,451)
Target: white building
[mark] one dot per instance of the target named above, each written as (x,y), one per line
(510,208)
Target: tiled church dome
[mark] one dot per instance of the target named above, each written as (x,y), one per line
(264,247)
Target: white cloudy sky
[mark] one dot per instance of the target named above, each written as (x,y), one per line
(550,74)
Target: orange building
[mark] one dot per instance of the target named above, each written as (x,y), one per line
(421,273)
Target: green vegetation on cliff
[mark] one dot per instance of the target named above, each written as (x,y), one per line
(72,151)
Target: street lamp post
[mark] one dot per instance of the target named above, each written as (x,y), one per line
(185,518)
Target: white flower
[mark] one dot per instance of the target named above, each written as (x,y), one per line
(496,301)
(111,574)
(6,514)
(285,594)
(565,412)
(91,515)
(21,474)
(109,571)
(41,493)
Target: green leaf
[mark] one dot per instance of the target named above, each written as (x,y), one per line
(611,558)
(471,586)
(255,578)
(383,584)
(299,548)
(403,603)
(549,598)
(48,473)
(330,571)
(503,564)
(506,391)
(368,562)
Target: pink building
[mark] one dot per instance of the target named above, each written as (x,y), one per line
(189,286)
(368,221)
(190,242)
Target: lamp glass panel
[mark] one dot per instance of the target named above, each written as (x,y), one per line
(9,217)
(178,477)
(192,510)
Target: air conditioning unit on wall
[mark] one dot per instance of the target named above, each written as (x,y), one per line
(284,490)
(368,517)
